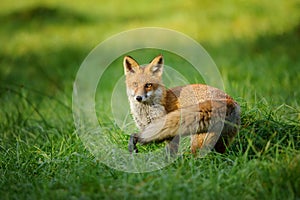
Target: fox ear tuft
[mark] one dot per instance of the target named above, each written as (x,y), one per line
(156,65)
(130,65)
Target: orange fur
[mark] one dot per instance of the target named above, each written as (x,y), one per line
(163,114)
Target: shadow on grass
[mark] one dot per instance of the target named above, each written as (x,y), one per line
(40,16)
(267,67)
(268,44)
(44,71)
(255,56)
(255,61)
(272,48)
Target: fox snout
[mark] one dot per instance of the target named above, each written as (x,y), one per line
(143,98)
(139,98)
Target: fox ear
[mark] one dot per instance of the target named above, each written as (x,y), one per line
(130,65)
(156,65)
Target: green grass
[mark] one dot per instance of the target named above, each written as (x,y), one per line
(255,44)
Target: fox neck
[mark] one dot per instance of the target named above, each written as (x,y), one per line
(146,112)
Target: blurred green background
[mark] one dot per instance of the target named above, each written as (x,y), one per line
(255,45)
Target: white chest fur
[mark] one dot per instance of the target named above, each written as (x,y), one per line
(144,114)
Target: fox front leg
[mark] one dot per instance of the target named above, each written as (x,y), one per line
(132,143)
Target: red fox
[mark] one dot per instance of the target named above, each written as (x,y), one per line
(167,114)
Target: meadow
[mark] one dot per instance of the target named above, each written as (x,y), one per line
(255,45)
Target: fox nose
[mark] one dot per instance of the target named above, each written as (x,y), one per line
(139,98)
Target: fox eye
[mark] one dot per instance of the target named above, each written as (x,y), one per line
(148,85)
(135,84)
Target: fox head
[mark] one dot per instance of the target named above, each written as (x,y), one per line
(144,83)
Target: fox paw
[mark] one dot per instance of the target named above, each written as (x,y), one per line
(132,143)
